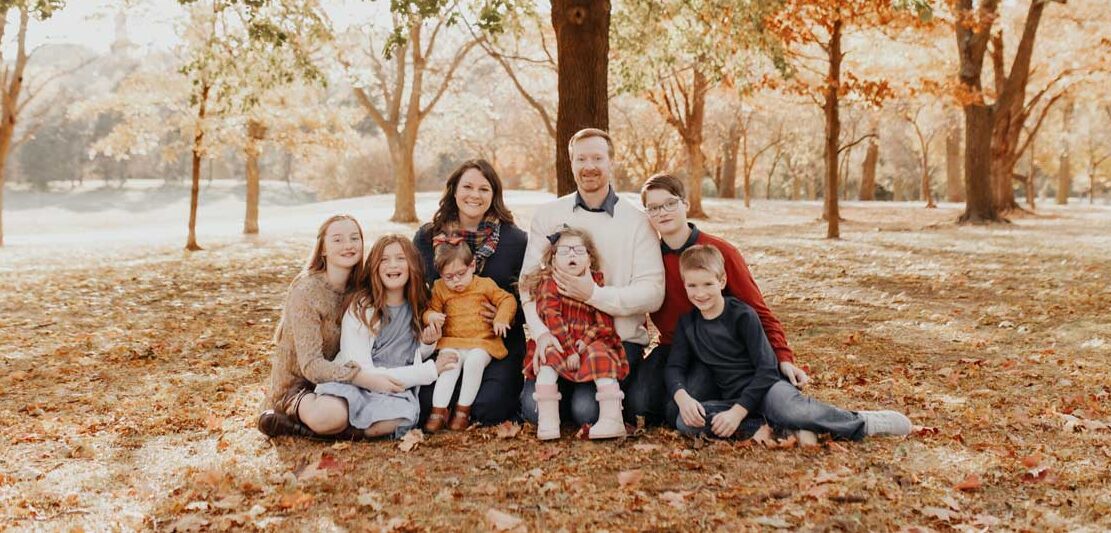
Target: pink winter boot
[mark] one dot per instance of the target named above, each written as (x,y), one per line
(547,405)
(610,424)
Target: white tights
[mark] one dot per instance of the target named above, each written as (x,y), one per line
(472,363)
(548,376)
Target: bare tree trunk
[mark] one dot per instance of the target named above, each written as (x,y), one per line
(9,98)
(954,188)
(582,43)
(728,186)
(1064,170)
(194,195)
(401,159)
(868,172)
(771,173)
(833,132)
(256,132)
(972,41)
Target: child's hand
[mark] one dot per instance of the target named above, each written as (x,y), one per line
(501,328)
(436,319)
(447,360)
(690,410)
(430,334)
(572,362)
(580,346)
(381,383)
(725,423)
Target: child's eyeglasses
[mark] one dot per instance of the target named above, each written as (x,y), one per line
(669,206)
(571,250)
(458,276)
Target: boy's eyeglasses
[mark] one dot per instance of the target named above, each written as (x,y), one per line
(570,250)
(669,206)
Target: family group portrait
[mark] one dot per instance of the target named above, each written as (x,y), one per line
(578,265)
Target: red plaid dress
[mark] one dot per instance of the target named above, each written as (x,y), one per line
(570,321)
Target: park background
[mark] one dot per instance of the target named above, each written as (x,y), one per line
(963,149)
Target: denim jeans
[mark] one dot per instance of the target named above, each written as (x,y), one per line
(785,409)
(579,405)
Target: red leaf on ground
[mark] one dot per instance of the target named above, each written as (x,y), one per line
(508,430)
(1032,461)
(970,483)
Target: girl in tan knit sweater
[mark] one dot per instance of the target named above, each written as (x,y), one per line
(456,299)
(308,339)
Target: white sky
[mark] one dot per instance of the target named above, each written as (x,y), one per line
(150,23)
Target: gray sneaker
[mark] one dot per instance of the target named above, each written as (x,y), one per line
(885,423)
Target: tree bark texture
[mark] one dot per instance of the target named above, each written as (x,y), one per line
(9,100)
(833,133)
(972,42)
(194,194)
(1064,170)
(868,172)
(256,133)
(582,42)
(954,186)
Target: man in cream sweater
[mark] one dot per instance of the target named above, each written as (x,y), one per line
(633,268)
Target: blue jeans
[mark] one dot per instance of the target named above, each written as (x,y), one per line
(580,406)
(785,409)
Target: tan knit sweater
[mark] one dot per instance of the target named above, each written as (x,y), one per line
(308,339)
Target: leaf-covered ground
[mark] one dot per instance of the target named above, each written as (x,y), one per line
(130,379)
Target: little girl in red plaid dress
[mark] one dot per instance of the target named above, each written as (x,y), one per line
(592,349)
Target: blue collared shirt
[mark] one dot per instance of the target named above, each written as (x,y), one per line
(607,205)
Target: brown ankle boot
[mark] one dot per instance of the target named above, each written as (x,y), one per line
(274,424)
(436,420)
(461,419)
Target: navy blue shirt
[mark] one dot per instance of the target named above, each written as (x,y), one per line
(733,346)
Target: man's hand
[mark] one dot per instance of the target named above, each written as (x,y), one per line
(430,334)
(580,288)
(436,319)
(726,423)
(794,374)
(690,410)
(447,360)
(543,343)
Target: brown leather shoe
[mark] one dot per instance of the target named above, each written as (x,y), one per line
(274,424)
(436,420)
(461,419)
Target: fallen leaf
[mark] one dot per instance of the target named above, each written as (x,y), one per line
(923,431)
(764,436)
(297,499)
(629,478)
(772,521)
(504,521)
(939,513)
(410,440)
(508,430)
(213,422)
(189,523)
(646,447)
(970,483)
(675,499)
(370,499)
(341,445)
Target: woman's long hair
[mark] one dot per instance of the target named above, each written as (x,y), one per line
(449,211)
(530,282)
(368,301)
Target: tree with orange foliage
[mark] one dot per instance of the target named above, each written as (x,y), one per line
(813,33)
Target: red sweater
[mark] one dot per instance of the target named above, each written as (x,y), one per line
(739,284)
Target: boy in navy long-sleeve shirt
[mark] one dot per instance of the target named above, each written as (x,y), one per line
(726,336)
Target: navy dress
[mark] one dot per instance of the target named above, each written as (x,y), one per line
(498,397)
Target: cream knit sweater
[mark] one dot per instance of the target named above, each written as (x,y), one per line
(631,262)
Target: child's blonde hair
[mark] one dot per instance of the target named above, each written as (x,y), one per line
(530,282)
(702,257)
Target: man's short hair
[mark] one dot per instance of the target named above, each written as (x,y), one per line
(587,133)
(663,182)
(702,257)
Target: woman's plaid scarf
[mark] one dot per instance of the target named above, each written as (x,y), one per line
(483,241)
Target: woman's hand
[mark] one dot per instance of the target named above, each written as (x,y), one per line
(376,382)
(794,374)
(430,334)
(447,360)
(690,410)
(488,312)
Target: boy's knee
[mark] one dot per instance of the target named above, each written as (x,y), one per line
(684,428)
